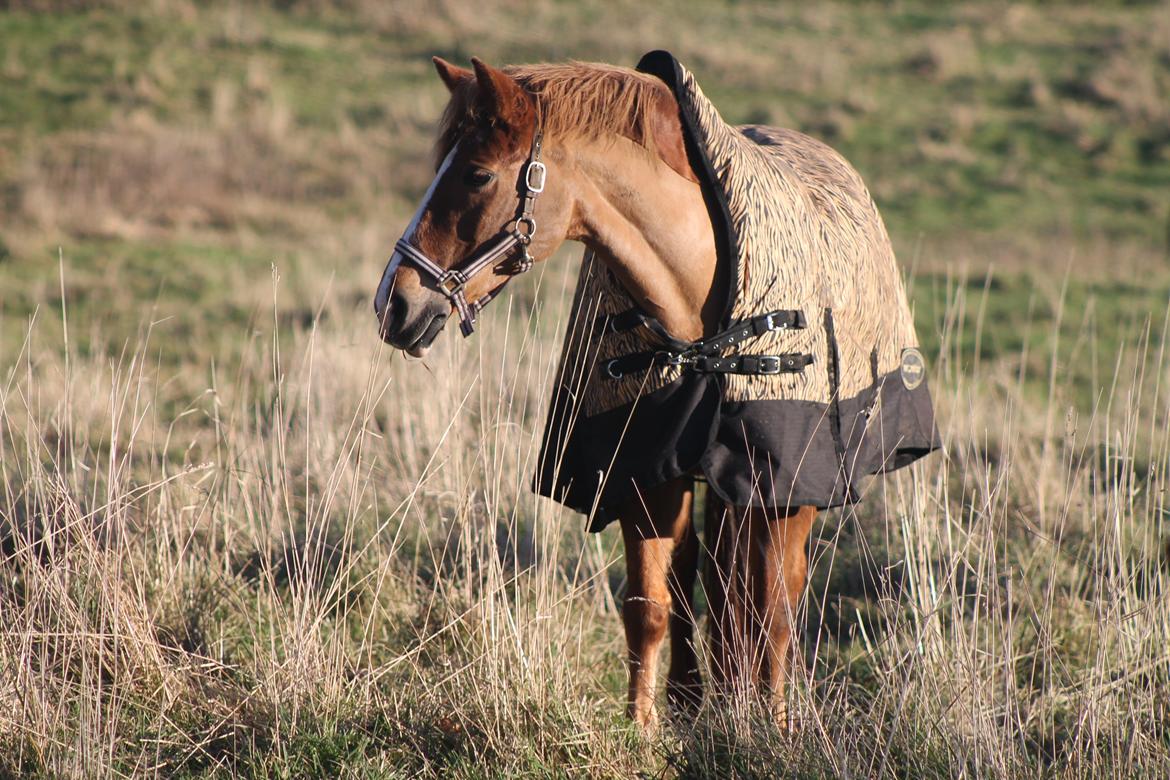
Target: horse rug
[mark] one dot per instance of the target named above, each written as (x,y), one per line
(845,395)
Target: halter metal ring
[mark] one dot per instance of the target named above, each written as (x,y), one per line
(527,234)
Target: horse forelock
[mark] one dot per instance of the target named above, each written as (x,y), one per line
(572,100)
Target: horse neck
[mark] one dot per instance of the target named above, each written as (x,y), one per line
(651,227)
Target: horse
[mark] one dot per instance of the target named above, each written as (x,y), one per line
(531,156)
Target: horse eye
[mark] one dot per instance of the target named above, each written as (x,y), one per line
(477,178)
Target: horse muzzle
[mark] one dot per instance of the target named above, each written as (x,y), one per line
(411,322)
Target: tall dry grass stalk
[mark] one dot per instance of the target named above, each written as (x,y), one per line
(328,562)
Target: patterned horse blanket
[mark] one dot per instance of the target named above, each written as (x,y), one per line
(796,229)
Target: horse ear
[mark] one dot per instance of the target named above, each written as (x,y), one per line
(452,75)
(500,95)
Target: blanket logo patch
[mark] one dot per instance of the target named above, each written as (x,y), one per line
(913,368)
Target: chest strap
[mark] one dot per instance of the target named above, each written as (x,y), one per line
(702,355)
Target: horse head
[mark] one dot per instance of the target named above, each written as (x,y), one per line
(477,224)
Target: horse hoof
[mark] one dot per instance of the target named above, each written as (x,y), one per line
(646,720)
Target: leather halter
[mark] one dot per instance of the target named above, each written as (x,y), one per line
(453,281)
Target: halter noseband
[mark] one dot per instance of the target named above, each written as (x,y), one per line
(452,281)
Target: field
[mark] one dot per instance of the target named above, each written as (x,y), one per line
(241,537)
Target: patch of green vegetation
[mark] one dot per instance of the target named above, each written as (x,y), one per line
(1093,328)
(53,80)
(183,293)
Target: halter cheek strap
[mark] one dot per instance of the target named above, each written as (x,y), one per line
(452,282)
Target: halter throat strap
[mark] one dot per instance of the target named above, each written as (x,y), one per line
(512,244)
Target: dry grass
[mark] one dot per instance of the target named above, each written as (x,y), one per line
(328,562)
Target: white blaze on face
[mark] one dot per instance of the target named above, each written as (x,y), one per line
(408,235)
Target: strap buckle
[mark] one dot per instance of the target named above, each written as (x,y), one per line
(772,324)
(769,364)
(667,358)
(535,184)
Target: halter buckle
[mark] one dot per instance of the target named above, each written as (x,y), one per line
(451,283)
(535,184)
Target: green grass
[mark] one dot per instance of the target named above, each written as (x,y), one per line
(1028,320)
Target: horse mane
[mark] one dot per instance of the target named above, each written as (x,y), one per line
(573,100)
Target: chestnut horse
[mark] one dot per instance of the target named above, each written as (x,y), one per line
(590,153)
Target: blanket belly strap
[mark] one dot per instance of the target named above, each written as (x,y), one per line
(631,319)
(702,356)
(787,363)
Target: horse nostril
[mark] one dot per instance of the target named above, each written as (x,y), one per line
(391,313)
(395,308)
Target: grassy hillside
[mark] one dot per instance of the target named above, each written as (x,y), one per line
(238,535)
(979,118)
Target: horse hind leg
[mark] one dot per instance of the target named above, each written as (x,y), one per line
(783,562)
(727,602)
(756,578)
(652,524)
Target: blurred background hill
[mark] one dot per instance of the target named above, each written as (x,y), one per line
(178,148)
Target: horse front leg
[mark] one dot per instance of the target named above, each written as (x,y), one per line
(653,523)
(684,683)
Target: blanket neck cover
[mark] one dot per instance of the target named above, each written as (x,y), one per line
(795,229)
